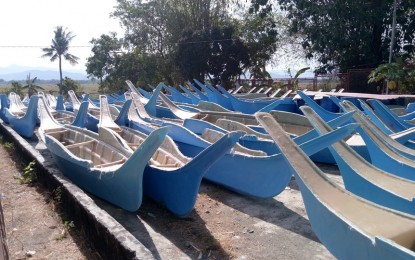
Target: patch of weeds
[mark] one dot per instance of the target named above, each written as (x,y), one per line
(57,195)
(62,235)
(66,226)
(9,146)
(29,174)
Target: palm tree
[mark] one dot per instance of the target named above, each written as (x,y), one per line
(32,88)
(59,48)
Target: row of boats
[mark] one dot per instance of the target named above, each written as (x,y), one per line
(123,147)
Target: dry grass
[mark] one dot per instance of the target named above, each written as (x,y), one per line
(89,87)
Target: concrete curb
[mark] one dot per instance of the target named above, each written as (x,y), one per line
(109,238)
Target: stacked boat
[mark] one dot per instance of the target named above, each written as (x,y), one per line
(161,145)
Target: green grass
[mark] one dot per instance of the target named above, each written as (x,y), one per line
(89,87)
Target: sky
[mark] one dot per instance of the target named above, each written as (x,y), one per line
(32,23)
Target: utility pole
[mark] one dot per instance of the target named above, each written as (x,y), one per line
(392,39)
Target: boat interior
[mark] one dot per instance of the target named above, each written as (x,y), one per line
(167,156)
(88,148)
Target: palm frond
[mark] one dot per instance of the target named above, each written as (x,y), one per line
(71,58)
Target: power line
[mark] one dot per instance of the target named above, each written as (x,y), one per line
(221,40)
(90,46)
(39,46)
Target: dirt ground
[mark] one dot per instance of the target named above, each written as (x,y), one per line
(35,229)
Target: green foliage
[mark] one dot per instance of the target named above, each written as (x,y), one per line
(105,51)
(70,84)
(17,88)
(260,35)
(401,72)
(216,52)
(57,194)
(59,49)
(193,54)
(31,87)
(154,29)
(9,145)
(350,34)
(226,57)
(294,80)
(141,69)
(29,174)
(177,40)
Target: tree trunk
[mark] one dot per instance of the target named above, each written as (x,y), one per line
(60,76)
(101,87)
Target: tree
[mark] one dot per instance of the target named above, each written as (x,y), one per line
(105,51)
(70,84)
(31,87)
(17,88)
(259,32)
(348,33)
(153,28)
(228,55)
(188,39)
(58,49)
(217,53)
(399,75)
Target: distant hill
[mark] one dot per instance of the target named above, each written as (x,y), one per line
(15,72)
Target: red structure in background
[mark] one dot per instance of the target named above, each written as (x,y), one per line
(288,82)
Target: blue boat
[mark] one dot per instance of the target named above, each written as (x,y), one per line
(93,109)
(323,113)
(199,93)
(235,170)
(194,98)
(293,123)
(4,103)
(50,122)
(368,111)
(177,96)
(100,168)
(394,122)
(382,155)
(210,106)
(170,178)
(215,96)
(363,178)
(251,106)
(24,124)
(373,130)
(350,227)
(404,137)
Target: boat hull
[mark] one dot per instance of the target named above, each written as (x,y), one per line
(96,182)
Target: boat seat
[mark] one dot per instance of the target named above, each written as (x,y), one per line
(52,132)
(65,118)
(162,158)
(79,144)
(110,163)
(135,145)
(164,165)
